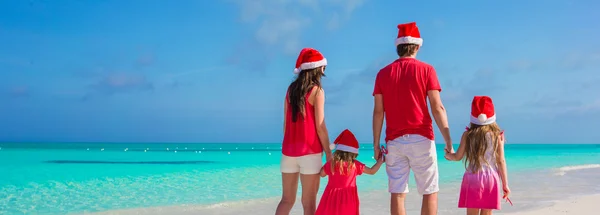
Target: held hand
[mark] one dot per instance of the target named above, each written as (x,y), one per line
(449,149)
(328,156)
(450,156)
(377,152)
(447,155)
(381,158)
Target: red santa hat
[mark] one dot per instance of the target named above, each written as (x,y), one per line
(309,58)
(482,111)
(408,33)
(345,142)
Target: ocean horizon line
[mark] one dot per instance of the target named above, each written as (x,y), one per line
(232,143)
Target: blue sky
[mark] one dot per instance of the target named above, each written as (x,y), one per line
(216,71)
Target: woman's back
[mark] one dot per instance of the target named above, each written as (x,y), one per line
(300,137)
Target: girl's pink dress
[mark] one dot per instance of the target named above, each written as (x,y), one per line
(481,188)
(340,195)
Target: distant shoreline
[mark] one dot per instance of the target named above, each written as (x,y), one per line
(248,143)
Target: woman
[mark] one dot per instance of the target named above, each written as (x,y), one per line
(305,134)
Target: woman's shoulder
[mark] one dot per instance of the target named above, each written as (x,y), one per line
(316,89)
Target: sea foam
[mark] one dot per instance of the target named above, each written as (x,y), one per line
(563,170)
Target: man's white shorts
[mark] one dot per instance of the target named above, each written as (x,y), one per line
(306,165)
(412,151)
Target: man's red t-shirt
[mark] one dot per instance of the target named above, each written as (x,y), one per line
(404,84)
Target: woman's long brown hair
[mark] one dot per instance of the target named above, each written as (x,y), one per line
(339,159)
(477,144)
(299,88)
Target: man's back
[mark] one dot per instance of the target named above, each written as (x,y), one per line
(404,84)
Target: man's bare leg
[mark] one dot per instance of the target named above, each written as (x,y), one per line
(397,204)
(430,204)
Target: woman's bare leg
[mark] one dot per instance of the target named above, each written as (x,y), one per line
(310,188)
(290,189)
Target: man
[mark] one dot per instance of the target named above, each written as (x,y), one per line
(401,92)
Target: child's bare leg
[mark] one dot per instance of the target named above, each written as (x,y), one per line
(485,212)
(472,211)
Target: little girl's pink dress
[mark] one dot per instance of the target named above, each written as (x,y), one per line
(340,195)
(481,188)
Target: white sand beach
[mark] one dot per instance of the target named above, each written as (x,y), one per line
(584,205)
(547,193)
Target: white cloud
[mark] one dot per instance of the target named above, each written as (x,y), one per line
(347,7)
(351,5)
(313,4)
(571,61)
(589,107)
(334,22)
(281,23)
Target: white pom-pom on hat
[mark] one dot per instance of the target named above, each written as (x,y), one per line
(482,118)
(332,146)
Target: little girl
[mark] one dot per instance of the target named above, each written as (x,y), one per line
(483,146)
(340,195)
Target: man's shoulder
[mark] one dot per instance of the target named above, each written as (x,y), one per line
(423,64)
(418,63)
(388,68)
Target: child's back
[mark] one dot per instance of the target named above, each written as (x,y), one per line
(487,160)
(341,194)
(482,146)
(343,176)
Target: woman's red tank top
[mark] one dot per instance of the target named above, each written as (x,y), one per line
(300,137)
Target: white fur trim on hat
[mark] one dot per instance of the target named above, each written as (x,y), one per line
(331,146)
(311,65)
(482,119)
(346,148)
(409,40)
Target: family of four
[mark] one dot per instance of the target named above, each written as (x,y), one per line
(401,91)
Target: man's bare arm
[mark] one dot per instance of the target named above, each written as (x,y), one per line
(378,116)
(440,116)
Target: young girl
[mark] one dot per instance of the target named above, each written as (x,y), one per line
(340,195)
(483,146)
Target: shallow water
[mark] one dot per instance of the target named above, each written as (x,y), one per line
(72,178)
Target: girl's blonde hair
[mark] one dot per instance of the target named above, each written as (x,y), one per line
(340,158)
(477,144)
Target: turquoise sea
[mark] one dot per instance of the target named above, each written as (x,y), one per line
(62,178)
